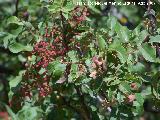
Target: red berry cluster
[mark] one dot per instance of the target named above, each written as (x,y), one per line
(79,14)
(55,43)
(54,33)
(46,52)
(40,83)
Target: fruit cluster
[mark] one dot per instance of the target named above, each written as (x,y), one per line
(55,43)
(36,81)
(79,14)
(46,52)
(98,66)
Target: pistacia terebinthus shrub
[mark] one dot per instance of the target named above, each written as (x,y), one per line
(75,62)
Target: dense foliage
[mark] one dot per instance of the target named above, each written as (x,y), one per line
(60,61)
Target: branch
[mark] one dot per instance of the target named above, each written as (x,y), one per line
(16,7)
(64,29)
(84,106)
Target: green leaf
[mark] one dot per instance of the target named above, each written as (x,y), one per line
(94,9)
(29,113)
(111,81)
(137,30)
(124,87)
(93,108)
(68,6)
(139,109)
(155,39)
(102,43)
(56,6)
(72,56)
(57,68)
(139,98)
(11,113)
(14,82)
(40,25)
(44,1)
(7,39)
(123,33)
(42,70)
(17,31)
(148,52)
(65,15)
(111,23)
(28,25)
(2,34)
(17,47)
(122,52)
(86,80)
(139,67)
(142,35)
(14,20)
(73,72)
(147,91)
